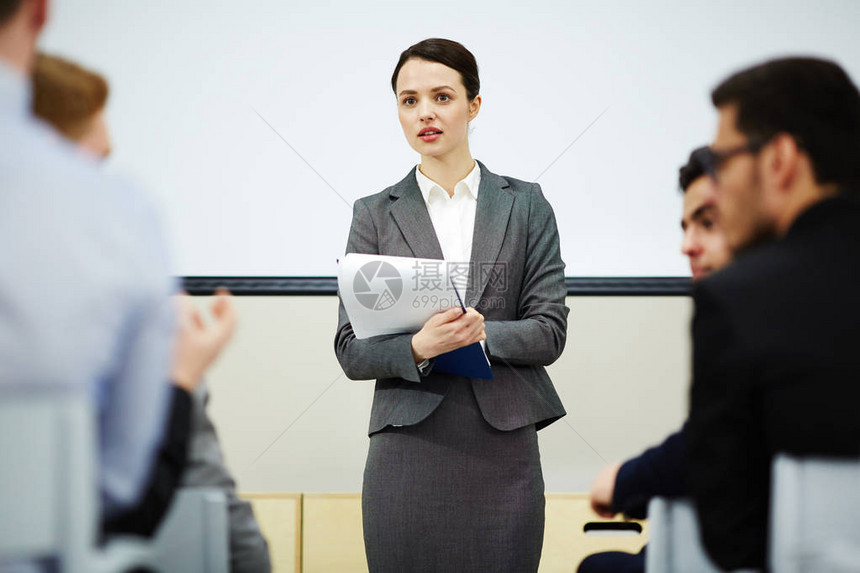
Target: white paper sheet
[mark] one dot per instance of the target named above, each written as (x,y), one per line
(390,295)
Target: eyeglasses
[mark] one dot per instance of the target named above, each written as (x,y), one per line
(712,161)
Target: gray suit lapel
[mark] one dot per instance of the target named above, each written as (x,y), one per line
(410,213)
(491,222)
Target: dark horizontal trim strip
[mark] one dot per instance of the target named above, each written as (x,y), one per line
(627,526)
(623,286)
(327,286)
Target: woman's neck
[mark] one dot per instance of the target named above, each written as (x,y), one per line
(447,171)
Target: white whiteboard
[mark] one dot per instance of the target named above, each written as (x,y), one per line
(257,124)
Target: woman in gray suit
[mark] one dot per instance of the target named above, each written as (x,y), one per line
(453,480)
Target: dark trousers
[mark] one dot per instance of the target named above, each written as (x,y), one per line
(614,562)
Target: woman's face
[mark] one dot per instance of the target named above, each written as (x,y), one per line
(434,109)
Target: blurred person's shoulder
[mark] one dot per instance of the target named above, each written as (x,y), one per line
(810,260)
(770,286)
(58,193)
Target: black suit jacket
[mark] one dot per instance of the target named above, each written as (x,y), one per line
(658,471)
(776,368)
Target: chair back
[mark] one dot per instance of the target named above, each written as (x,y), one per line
(195,534)
(48,485)
(675,544)
(815,515)
(49,503)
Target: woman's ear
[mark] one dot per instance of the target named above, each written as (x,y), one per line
(474,107)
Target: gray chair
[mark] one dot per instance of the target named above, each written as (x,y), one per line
(815,515)
(48,487)
(49,504)
(674,544)
(195,534)
(814,522)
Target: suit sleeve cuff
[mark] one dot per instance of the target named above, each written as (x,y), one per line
(425,367)
(625,498)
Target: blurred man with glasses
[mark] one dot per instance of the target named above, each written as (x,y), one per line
(776,335)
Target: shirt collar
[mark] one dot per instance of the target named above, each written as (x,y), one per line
(470,183)
(14,92)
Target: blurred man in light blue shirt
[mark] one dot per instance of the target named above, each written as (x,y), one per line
(84,277)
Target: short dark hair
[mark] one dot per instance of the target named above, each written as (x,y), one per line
(8,8)
(447,52)
(811,99)
(694,169)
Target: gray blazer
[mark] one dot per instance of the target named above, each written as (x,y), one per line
(518,286)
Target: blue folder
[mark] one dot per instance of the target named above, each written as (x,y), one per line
(466,361)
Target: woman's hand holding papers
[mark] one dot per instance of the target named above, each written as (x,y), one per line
(447,331)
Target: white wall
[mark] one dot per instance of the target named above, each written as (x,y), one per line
(192,78)
(623,379)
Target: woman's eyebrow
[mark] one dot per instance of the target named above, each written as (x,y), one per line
(432,90)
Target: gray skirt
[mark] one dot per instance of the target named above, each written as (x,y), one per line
(453,494)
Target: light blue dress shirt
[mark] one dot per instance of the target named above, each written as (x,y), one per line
(84,290)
